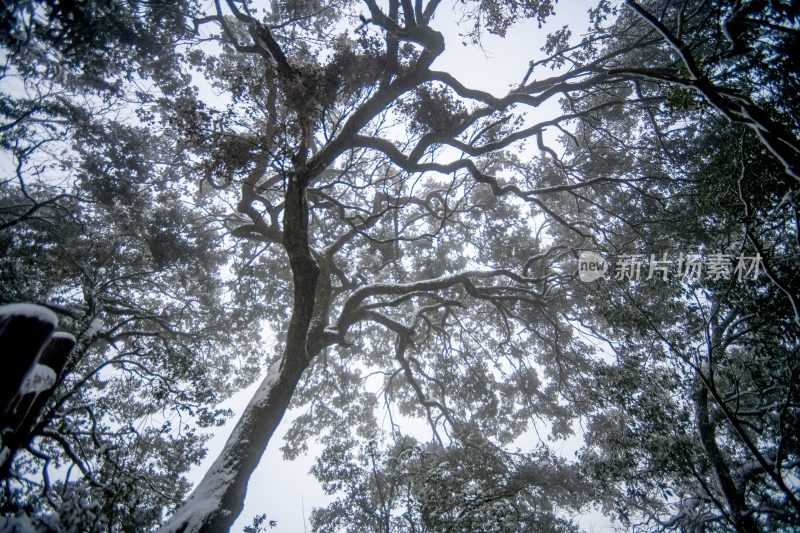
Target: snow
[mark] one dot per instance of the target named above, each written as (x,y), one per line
(203,501)
(64,335)
(270,379)
(94,328)
(38,380)
(39,312)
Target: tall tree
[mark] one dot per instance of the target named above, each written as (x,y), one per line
(690,425)
(98,226)
(693,428)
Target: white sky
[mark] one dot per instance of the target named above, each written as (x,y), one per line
(284,489)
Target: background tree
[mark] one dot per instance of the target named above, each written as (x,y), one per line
(690,427)
(98,226)
(686,421)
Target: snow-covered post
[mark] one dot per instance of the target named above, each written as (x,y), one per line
(34,392)
(24,331)
(33,359)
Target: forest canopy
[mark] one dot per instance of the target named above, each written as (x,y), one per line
(295,193)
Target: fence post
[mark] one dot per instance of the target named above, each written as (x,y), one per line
(24,331)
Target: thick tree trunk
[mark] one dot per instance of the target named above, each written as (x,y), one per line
(219,498)
(733,494)
(217,501)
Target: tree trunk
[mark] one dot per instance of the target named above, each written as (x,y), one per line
(219,498)
(217,501)
(733,494)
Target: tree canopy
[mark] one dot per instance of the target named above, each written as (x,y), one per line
(213,193)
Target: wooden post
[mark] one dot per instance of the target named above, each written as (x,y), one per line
(24,331)
(55,355)
(28,350)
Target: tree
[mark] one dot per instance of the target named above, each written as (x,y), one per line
(137,279)
(689,425)
(389,221)
(103,235)
(692,428)
(415,486)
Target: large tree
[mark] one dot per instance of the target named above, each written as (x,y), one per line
(691,424)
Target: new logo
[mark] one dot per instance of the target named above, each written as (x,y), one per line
(591,266)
